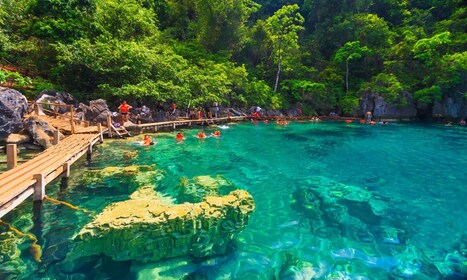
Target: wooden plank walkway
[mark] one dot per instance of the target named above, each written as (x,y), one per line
(17,184)
(63,124)
(187,122)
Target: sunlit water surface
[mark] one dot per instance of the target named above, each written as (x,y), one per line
(334,201)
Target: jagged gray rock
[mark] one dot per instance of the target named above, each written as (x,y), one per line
(13,107)
(381,109)
(41,131)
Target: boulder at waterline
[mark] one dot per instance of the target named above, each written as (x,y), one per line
(148,228)
(41,131)
(15,138)
(13,106)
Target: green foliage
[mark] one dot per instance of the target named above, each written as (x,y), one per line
(427,49)
(428,95)
(125,20)
(221,23)
(349,104)
(387,85)
(282,30)
(234,51)
(14,78)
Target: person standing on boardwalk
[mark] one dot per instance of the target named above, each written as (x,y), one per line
(124,109)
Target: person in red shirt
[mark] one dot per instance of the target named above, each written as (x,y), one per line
(124,111)
(201,135)
(180,137)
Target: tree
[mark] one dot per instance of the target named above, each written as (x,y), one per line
(221,23)
(350,51)
(282,29)
(427,49)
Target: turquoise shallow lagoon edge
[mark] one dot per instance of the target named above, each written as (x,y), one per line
(333,201)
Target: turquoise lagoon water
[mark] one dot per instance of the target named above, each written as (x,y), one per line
(334,201)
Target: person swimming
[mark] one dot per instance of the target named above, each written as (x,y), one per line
(147,141)
(217,133)
(180,137)
(201,135)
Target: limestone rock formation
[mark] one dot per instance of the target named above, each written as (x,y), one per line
(453,105)
(13,106)
(133,175)
(15,138)
(56,97)
(143,114)
(97,111)
(196,189)
(382,109)
(41,131)
(12,265)
(148,228)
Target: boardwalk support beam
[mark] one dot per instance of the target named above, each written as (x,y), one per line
(12,156)
(39,187)
(109,125)
(101,136)
(56,137)
(66,170)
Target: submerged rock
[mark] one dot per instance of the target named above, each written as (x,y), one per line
(147,228)
(197,188)
(136,175)
(12,266)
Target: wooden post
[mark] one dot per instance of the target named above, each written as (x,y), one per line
(56,137)
(86,123)
(89,153)
(11,156)
(66,170)
(39,187)
(72,121)
(101,136)
(175,126)
(109,125)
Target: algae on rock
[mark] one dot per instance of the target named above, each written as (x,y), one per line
(149,227)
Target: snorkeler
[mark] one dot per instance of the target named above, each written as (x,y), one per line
(201,135)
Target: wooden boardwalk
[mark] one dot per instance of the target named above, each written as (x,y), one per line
(63,124)
(186,122)
(17,184)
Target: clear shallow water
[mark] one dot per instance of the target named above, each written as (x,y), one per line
(334,201)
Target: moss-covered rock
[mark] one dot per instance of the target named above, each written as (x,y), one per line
(134,175)
(149,228)
(12,265)
(197,188)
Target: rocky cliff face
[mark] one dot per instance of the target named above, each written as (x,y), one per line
(13,106)
(381,109)
(452,106)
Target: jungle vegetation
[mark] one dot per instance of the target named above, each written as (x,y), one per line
(320,54)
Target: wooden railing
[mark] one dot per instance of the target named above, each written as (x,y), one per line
(54,112)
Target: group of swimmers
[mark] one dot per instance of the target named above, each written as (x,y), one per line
(362,121)
(147,141)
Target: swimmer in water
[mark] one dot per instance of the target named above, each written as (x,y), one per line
(217,133)
(147,141)
(201,135)
(180,137)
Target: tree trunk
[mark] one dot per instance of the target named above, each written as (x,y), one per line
(279,68)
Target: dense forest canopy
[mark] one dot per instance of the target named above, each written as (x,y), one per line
(317,54)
